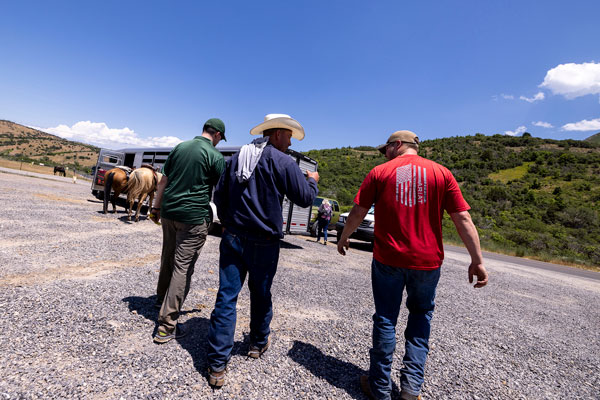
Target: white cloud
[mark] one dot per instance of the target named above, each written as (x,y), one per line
(99,134)
(519,131)
(543,124)
(573,80)
(538,96)
(504,96)
(585,125)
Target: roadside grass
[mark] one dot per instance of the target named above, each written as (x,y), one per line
(511,174)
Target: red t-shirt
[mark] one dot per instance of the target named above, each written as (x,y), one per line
(410,195)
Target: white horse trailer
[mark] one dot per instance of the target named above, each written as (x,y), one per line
(295,219)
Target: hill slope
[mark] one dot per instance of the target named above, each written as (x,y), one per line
(529,196)
(27,144)
(594,138)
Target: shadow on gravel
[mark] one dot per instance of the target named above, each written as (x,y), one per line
(362,246)
(338,373)
(195,342)
(197,327)
(143,218)
(286,245)
(143,306)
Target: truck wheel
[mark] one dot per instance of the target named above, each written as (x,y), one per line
(339,236)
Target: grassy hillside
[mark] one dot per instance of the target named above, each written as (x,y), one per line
(529,196)
(18,142)
(594,138)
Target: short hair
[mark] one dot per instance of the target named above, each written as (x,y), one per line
(414,146)
(210,130)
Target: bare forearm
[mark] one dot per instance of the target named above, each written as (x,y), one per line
(357,215)
(468,234)
(160,189)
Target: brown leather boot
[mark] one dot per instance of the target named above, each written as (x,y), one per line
(216,379)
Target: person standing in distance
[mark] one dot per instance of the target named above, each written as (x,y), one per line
(410,194)
(249,200)
(182,203)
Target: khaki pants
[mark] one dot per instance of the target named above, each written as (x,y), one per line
(182,244)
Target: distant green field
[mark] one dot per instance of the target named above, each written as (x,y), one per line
(511,174)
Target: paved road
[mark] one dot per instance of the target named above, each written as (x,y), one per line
(527,263)
(44,176)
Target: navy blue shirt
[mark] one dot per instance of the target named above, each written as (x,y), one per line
(254,206)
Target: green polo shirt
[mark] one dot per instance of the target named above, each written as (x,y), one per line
(192,168)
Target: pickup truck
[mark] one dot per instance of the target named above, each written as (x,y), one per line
(365,231)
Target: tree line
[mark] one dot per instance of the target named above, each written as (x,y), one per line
(529,196)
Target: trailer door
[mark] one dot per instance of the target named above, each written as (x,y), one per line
(107,159)
(295,218)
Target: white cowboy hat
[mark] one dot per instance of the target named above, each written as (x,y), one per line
(282,121)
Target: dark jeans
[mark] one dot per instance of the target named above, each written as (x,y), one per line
(388,285)
(323,225)
(241,255)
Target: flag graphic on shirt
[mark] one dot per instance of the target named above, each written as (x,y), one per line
(411,185)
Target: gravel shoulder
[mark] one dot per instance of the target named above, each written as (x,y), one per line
(77,289)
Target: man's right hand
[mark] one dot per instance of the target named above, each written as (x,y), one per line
(155,215)
(341,245)
(314,175)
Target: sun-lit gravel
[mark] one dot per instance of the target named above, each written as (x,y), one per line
(76,304)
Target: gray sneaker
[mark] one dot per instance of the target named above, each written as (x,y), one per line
(162,337)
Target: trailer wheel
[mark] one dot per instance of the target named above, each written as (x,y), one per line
(99,194)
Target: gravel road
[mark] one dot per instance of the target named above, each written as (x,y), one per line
(77,289)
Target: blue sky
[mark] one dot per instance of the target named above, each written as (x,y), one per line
(123,73)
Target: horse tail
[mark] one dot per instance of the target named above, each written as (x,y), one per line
(108,181)
(133,186)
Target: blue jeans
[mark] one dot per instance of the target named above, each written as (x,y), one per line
(388,285)
(323,225)
(242,255)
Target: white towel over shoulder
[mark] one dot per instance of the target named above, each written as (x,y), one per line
(248,159)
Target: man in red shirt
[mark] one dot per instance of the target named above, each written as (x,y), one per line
(410,194)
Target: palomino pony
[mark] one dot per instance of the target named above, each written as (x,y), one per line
(142,183)
(115,179)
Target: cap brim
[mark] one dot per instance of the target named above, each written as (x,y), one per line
(281,123)
(381,148)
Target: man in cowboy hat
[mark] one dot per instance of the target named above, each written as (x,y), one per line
(410,193)
(248,198)
(182,203)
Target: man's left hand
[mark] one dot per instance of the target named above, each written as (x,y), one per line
(479,271)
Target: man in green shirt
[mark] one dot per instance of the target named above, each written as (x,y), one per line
(182,203)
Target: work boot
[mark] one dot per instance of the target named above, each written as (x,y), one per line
(407,396)
(216,379)
(256,352)
(365,386)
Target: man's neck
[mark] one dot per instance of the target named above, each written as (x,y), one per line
(208,136)
(407,152)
